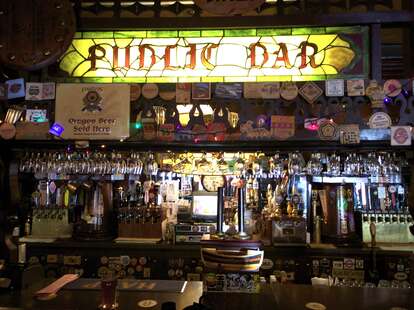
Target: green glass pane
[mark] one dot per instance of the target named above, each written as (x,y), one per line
(162,34)
(71,80)
(231,79)
(274,32)
(212,79)
(129,80)
(167,79)
(78,35)
(186,79)
(275,78)
(212,33)
(239,32)
(354,29)
(96,80)
(190,33)
(130,34)
(98,35)
(320,30)
(300,78)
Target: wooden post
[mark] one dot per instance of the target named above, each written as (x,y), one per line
(376,54)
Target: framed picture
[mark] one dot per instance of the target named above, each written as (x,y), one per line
(201,91)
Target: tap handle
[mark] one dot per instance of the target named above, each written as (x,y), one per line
(373,232)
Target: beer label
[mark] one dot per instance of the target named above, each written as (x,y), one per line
(150,91)
(355,88)
(349,263)
(381,192)
(7,131)
(282,126)
(201,91)
(328,130)
(401,135)
(135,92)
(15,88)
(167,91)
(337,264)
(310,92)
(334,88)
(289,91)
(376,94)
(344,226)
(183,93)
(392,88)
(379,120)
(147,303)
(228,90)
(263,90)
(349,134)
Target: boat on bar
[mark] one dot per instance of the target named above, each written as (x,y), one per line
(232,260)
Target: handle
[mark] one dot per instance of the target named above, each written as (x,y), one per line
(373,232)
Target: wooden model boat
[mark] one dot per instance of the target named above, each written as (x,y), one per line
(232,260)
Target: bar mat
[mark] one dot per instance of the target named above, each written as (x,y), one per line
(131,285)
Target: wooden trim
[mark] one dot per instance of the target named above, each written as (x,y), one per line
(113,23)
(376,53)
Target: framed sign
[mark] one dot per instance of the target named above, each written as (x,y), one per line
(219,55)
(97,111)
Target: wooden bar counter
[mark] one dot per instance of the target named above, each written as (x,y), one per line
(273,297)
(85,299)
(295,297)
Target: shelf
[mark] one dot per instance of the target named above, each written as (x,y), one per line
(252,146)
(194,249)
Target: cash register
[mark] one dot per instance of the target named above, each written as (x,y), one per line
(198,219)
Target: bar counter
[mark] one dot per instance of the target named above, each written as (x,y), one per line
(273,296)
(295,297)
(85,299)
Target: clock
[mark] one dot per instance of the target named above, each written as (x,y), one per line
(212,182)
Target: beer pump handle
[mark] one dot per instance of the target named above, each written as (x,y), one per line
(373,232)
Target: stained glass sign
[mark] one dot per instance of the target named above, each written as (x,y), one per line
(245,55)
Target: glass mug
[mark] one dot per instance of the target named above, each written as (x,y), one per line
(109,293)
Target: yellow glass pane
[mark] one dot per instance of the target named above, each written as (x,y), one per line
(340,42)
(322,41)
(339,57)
(82,46)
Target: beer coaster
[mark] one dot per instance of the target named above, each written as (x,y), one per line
(379,120)
(315,306)
(401,135)
(289,91)
(46,297)
(334,88)
(150,91)
(376,94)
(328,130)
(355,88)
(135,92)
(147,303)
(167,91)
(310,92)
(392,88)
(7,131)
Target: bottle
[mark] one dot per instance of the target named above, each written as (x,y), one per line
(342,228)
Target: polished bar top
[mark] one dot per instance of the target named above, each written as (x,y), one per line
(289,296)
(85,299)
(295,297)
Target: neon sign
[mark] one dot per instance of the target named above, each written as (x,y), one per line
(218,55)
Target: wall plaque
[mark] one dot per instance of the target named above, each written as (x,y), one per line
(97,111)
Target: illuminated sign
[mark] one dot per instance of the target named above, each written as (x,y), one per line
(218,55)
